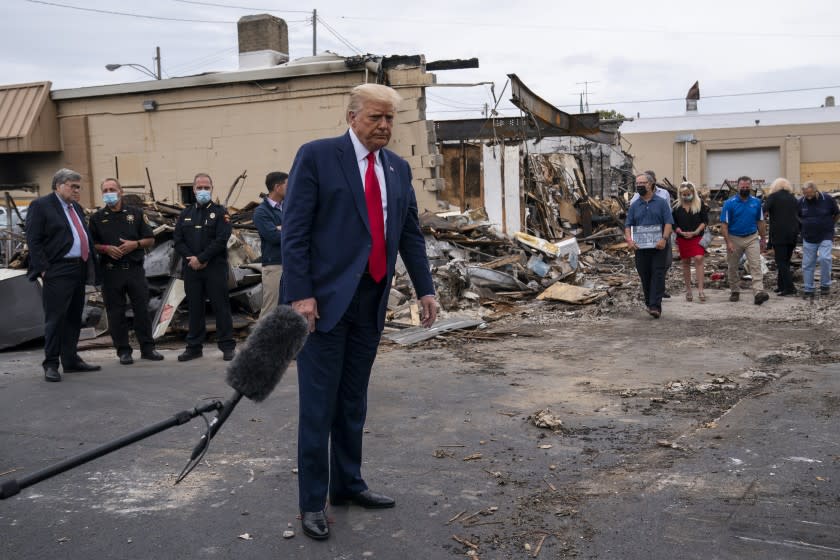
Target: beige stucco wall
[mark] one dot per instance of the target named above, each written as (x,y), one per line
(225,130)
(801,147)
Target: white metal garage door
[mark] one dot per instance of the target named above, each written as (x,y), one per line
(762,164)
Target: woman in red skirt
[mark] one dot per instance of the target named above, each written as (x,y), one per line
(691,218)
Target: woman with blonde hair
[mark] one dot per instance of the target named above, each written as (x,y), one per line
(691,218)
(782,211)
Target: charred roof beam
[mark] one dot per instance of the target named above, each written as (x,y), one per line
(551,119)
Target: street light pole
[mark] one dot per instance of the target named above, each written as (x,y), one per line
(154,74)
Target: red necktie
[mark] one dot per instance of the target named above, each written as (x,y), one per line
(80,230)
(373,197)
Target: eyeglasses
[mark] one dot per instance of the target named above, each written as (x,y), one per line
(75,186)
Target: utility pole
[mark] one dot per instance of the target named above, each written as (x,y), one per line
(314,32)
(157,63)
(586,93)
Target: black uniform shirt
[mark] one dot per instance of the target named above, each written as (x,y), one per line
(108,227)
(203,231)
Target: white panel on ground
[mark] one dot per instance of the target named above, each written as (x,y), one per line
(512,189)
(760,164)
(492,164)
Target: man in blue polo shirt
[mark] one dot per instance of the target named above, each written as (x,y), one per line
(647,230)
(743,227)
(817,213)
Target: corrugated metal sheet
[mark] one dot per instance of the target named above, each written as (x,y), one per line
(22,107)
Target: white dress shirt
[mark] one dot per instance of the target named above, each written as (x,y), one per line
(75,249)
(361,159)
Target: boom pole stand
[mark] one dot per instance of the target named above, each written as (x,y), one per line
(12,487)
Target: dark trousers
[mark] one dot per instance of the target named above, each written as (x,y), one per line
(651,264)
(784,279)
(333,373)
(117,283)
(200,285)
(63,298)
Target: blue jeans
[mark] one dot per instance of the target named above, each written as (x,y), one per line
(813,253)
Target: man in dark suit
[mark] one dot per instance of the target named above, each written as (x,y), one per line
(61,255)
(349,209)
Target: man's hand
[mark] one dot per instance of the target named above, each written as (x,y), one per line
(127,246)
(114,252)
(660,244)
(194,263)
(762,244)
(730,247)
(309,309)
(428,311)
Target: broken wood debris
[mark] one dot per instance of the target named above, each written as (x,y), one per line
(546,419)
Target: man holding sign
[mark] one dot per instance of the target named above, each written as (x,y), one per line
(647,230)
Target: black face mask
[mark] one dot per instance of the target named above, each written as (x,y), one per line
(745,193)
(641,189)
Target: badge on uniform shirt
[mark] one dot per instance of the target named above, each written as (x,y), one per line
(130,218)
(212,215)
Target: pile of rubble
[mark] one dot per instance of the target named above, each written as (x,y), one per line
(477,269)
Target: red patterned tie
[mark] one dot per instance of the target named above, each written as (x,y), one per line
(373,197)
(80,230)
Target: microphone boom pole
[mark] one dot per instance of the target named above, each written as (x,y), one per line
(12,487)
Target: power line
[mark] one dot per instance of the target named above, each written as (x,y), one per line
(338,36)
(620,29)
(127,14)
(718,96)
(217,5)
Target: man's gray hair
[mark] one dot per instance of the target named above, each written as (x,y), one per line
(648,177)
(809,185)
(197,175)
(361,94)
(63,175)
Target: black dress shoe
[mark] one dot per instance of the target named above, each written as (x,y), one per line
(80,367)
(188,355)
(315,525)
(51,374)
(153,355)
(126,359)
(227,355)
(365,499)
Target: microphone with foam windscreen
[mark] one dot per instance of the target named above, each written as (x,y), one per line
(257,368)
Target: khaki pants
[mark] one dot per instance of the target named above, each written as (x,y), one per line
(751,246)
(271,274)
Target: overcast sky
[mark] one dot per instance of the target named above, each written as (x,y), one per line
(634,54)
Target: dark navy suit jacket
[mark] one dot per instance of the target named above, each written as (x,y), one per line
(49,238)
(326,234)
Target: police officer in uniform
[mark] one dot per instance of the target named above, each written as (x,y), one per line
(120,234)
(201,236)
